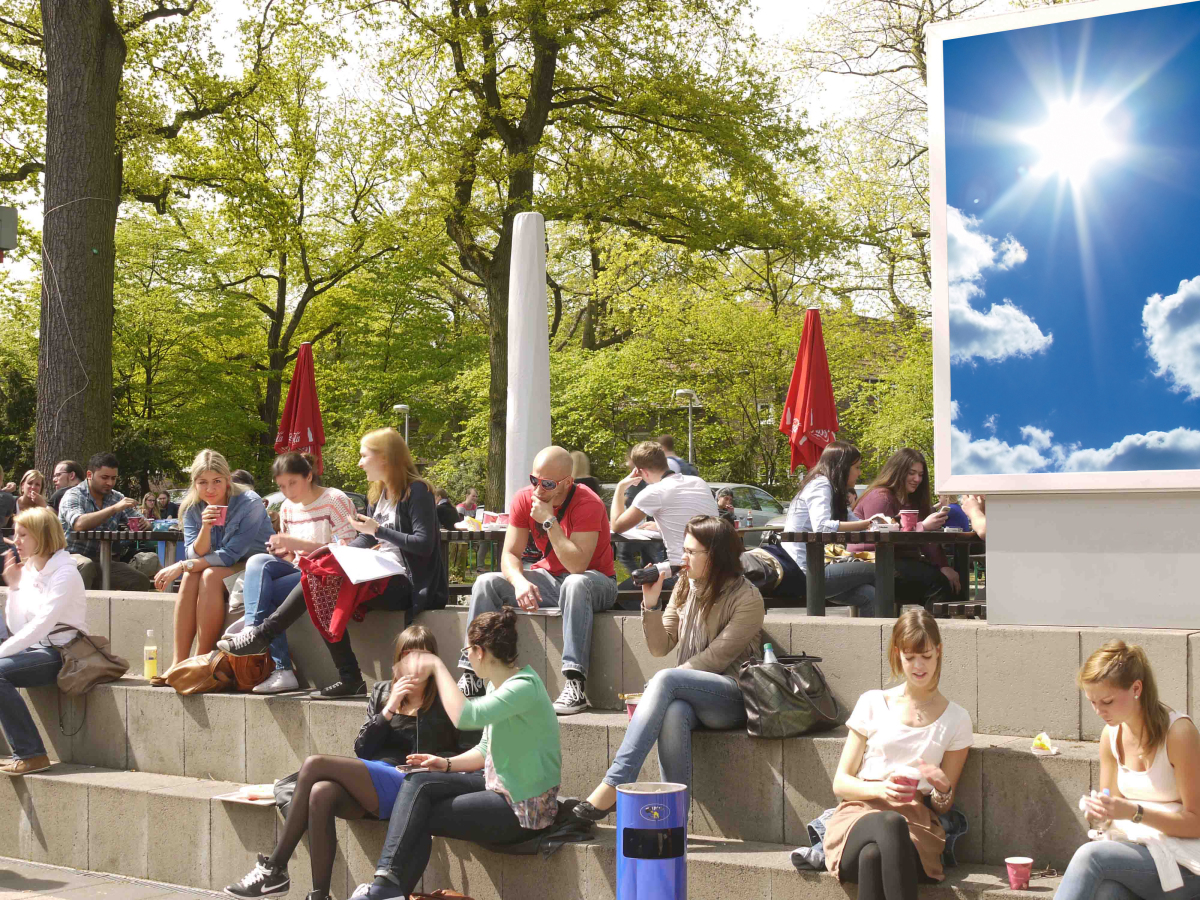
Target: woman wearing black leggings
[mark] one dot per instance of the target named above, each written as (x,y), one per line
(404,716)
(901,763)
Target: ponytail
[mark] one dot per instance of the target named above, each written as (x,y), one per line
(1121,664)
(495,632)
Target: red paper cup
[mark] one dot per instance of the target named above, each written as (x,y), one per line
(909,519)
(502,519)
(222,512)
(1019,869)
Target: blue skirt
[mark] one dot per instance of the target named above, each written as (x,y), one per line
(387,780)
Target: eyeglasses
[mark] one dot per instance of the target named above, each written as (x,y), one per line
(546,483)
(693,551)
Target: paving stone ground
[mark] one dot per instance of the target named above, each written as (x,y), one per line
(20,880)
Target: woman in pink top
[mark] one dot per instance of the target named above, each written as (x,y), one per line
(922,576)
(312,516)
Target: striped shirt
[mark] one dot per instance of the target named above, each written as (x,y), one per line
(325,519)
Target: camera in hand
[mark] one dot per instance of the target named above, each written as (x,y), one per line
(649,574)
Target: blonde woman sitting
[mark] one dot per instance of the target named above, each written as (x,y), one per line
(224,524)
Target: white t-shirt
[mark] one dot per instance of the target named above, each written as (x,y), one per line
(385,515)
(673,502)
(891,743)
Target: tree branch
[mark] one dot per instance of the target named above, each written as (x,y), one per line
(22,173)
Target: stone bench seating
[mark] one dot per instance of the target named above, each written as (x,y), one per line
(1014,801)
(134,793)
(1013,680)
(169,828)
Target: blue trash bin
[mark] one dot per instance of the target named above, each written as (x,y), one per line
(652,841)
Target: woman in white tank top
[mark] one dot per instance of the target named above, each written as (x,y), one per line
(1150,766)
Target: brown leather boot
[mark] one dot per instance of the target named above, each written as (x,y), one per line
(15,767)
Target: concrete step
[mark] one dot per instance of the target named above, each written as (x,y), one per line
(171,829)
(1013,680)
(1008,794)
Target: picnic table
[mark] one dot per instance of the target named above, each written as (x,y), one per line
(885,543)
(106,539)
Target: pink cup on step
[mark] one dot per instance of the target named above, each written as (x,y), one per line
(1019,870)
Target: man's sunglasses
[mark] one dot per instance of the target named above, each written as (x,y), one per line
(546,483)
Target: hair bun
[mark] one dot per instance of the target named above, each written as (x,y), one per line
(507,617)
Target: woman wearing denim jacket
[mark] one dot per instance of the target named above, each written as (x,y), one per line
(224,524)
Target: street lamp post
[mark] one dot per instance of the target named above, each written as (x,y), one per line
(691,398)
(403,408)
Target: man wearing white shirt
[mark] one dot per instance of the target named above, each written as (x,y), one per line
(672,499)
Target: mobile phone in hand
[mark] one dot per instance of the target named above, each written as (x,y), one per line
(408,770)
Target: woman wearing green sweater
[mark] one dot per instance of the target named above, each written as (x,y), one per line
(505,790)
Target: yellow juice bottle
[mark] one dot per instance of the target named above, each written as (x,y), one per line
(150,656)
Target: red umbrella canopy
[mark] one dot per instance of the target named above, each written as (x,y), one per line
(810,417)
(300,425)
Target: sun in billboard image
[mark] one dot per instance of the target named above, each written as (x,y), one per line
(1071,270)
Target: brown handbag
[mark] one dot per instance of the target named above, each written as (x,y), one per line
(249,671)
(87,662)
(205,674)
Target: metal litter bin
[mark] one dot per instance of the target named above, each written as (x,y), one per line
(652,841)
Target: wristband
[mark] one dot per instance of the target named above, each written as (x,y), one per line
(447,759)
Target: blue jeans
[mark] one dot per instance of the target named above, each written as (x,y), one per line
(1119,870)
(675,702)
(579,596)
(29,668)
(851,583)
(267,583)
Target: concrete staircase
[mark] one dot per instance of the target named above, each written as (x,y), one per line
(134,795)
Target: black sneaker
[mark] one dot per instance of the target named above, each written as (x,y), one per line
(340,690)
(573,698)
(262,881)
(246,642)
(471,685)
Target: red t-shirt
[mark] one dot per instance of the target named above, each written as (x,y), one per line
(585,512)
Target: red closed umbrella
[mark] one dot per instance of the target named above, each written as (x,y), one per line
(810,416)
(300,427)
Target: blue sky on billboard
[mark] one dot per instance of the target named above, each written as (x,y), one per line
(1073,183)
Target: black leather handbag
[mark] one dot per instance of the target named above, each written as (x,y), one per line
(787,698)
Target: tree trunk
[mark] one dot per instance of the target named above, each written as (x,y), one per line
(85,56)
(277,352)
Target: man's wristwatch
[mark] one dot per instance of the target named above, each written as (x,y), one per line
(1137,817)
(550,523)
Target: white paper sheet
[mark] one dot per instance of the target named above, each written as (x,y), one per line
(641,534)
(361,564)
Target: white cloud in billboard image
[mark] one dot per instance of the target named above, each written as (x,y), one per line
(1172,328)
(1002,331)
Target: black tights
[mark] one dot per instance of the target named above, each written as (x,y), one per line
(328,787)
(881,858)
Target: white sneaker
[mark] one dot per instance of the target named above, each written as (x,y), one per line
(572,699)
(277,682)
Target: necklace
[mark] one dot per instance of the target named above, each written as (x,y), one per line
(920,709)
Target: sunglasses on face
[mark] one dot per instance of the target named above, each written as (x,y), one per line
(546,483)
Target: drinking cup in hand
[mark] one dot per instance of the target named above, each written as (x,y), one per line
(222,512)
(908,776)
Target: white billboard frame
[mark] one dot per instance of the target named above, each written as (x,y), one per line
(1022,483)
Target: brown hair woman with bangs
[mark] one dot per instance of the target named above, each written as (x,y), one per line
(906,745)
(714,617)
(923,574)
(1150,767)
(404,716)
(403,525)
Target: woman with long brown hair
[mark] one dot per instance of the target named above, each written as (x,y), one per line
(906,745)
(825,502)
(922,575)
(404,716)
(714,616)
(403,525)
(1150,788)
